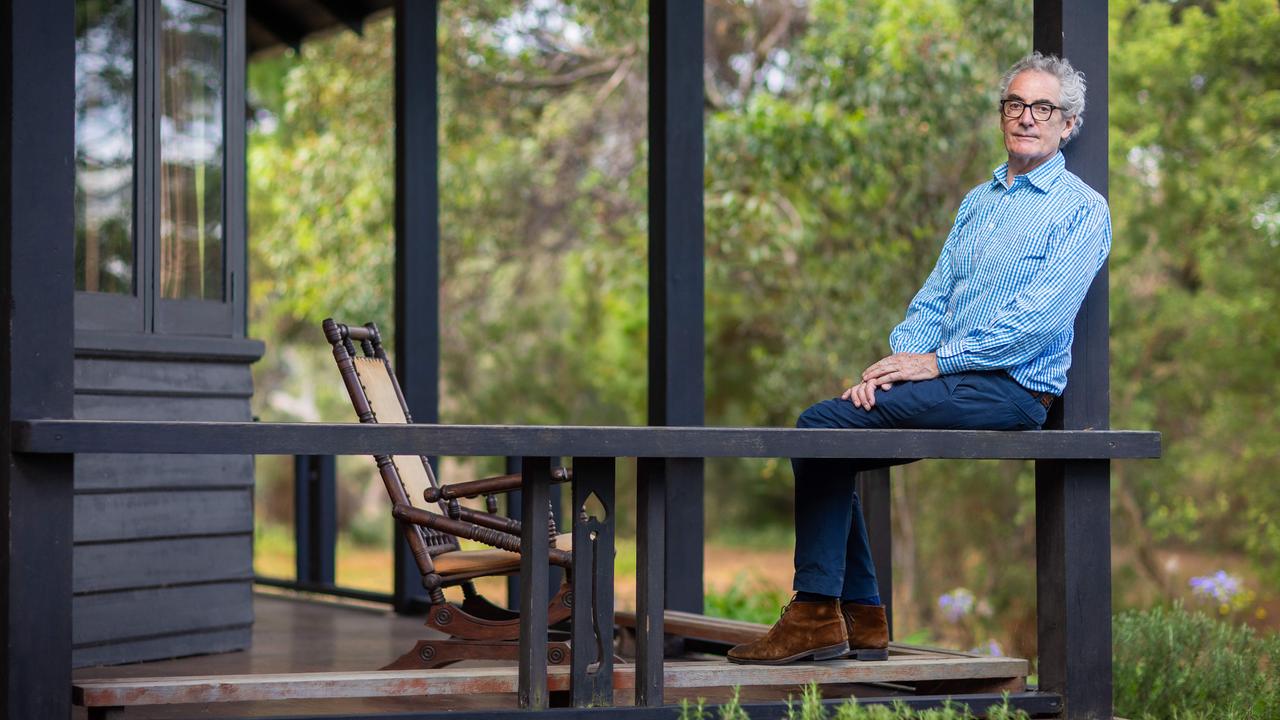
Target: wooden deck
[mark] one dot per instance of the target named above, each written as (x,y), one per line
(315,657)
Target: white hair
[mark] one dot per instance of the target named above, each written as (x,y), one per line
(1071,80)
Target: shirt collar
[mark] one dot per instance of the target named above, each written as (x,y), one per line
(1042,178)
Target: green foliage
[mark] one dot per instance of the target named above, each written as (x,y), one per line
(810,707)
(1171,663)
(835,161)
(1195,192)
(750,601)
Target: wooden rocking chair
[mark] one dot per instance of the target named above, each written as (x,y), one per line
(434,521)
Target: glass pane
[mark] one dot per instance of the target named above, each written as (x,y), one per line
(191,150)
(104,145)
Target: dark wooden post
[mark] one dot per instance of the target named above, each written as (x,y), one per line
(676,275)
(315,518)
(1073,515)
(592,628)
(534,546)
(417,327)
(874,496)
(651,534)
(37,153)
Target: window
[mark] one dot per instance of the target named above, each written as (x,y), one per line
(104,146)
(156,245)
(191,82)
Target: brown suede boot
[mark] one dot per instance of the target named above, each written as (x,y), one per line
(806,630)
(868,631)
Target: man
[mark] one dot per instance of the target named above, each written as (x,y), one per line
(986,344)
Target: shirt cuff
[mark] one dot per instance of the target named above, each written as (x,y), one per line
(951,359)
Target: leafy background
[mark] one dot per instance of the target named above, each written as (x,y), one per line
(841,135)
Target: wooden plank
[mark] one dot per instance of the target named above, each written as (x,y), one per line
(235,438)
(199,642)
(92,343)
(97,471)
(126,407)
(115,376)
(478,680)
(37,219)
(651,498)
(150,563)
(535,480)
(105,618)
(134,515)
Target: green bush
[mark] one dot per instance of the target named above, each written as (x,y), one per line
(1175,664)
(751,601)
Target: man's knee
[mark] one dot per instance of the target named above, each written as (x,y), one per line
(816,416)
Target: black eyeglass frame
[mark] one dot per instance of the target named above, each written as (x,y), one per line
(1004,109)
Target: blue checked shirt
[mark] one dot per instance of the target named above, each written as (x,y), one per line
(1011,276)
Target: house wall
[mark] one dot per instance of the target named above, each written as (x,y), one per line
(163,544)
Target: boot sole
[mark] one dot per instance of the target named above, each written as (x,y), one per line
(827,653)
(867,655)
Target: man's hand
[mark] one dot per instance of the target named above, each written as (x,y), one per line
(898,367)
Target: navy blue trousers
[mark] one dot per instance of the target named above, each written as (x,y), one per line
(833,556)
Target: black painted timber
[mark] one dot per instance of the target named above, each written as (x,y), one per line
(233,438)
(315,518)
(1035,704)
(417,236)
(591,665)
(532,690)
(1073,520)
(676,274)
(651,534)
(875,497)
(37,178)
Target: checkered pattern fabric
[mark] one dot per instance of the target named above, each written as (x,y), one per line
(1011,276)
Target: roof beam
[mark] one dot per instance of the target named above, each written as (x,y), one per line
(281,26)
(346,12)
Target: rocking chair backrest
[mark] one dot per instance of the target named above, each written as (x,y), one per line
(371,383)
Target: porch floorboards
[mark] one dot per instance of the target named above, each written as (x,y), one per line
(346,642)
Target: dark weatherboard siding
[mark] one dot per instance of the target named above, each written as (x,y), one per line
(163,559)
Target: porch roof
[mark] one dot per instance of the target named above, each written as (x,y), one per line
(271,24)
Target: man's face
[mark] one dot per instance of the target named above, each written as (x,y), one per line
(1027,140)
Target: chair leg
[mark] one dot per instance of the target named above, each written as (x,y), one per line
(459,623)
(427,654)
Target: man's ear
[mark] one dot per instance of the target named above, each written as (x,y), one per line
(1068,127)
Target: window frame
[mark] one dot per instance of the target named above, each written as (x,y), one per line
(145,311)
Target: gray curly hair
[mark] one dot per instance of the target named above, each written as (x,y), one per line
(1072,82)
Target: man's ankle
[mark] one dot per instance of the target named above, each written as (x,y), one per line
(869,600)
(803,596)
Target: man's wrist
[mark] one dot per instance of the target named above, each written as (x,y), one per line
(950,359)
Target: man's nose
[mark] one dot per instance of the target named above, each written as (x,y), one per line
(1025,118)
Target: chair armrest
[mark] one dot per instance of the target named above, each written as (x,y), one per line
(460,529)
(489,485)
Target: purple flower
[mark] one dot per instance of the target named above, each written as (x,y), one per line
(1221,586)
(990,647)
(957,604)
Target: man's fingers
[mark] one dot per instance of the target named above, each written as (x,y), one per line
(886,386)
(859,396)
(871,395)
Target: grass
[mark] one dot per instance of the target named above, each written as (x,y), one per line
(810,707)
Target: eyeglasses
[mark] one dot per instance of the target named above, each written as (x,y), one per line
(1040,112)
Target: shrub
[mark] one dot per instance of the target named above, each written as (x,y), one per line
(1175,664)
